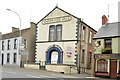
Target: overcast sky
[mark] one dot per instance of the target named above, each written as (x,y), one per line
(90,11)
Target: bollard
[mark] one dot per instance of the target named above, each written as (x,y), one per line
(39,64)
(70,70)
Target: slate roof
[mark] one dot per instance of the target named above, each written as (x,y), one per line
(108,30)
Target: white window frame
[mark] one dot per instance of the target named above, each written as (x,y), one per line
(90,39)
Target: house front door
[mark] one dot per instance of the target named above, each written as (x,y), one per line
(54,57)
(113,69)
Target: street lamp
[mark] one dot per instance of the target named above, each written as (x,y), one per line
(18,17)
(20,27)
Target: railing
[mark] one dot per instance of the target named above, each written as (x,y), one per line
(83,69)
(43,63)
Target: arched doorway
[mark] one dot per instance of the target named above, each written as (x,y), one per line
(54,55)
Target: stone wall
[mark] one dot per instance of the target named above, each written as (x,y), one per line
(32,66)
(67,69)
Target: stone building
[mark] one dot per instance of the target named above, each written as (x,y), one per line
(64,43)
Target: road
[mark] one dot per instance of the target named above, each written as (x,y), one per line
(22,73)
(10,72)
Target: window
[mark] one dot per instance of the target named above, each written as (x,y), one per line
(15,44)
(90,40)
(52,33)
(25,43)
(108,43)
(83,33)
(8,58)
(90,57)
(15,56)
(8,44)
(99,42)
(2,45)
(83,53)
(55,33)
(59,32)
(102,65)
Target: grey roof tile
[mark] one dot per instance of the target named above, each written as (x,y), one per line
(108,30)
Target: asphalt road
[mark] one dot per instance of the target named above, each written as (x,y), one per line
(31,74)
(22,73)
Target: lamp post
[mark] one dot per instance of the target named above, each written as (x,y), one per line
(18,17)
(19,29)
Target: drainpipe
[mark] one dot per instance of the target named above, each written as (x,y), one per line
(79,47)
(79,50)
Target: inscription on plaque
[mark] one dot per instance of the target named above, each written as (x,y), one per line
(56,20)
(108,56)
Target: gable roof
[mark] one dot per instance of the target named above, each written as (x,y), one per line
(59,9)
(109,30)
(67,13)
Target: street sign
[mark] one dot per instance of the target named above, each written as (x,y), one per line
(22,47)
(69,51)
(24,53)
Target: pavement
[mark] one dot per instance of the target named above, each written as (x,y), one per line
(34,73)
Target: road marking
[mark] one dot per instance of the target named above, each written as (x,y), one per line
(10,72)
(33,76)
(45,76)
(89,77)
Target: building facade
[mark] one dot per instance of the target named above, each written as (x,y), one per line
(63,41)
(107,52)
(16,48)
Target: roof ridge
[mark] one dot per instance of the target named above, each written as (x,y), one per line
(15,31)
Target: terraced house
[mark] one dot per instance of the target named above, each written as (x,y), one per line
(107,50)
(16,48)
(64,43)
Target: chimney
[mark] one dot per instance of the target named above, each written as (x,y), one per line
(15,29)
(32,25)
(104,20)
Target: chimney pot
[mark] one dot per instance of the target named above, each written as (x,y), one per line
(104,20)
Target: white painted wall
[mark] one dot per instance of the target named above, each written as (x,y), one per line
(11,51)
(68,33)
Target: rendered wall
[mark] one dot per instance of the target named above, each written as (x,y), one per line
(68,33)
(62,68)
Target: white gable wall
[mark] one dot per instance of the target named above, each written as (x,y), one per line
(68,28)
(68,33)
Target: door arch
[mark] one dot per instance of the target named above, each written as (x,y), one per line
(49,53)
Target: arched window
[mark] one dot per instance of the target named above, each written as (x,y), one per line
(102,65)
